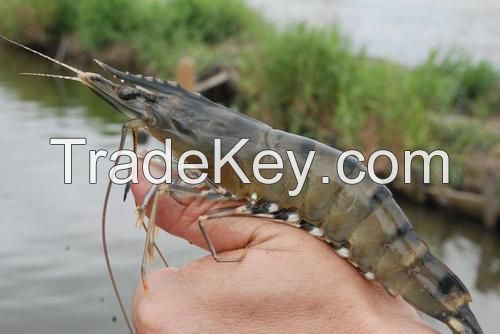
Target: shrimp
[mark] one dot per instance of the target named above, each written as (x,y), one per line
(361,222)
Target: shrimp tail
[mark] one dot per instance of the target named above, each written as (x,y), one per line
(435,290)
(430,286)
(385,246)
(466,321)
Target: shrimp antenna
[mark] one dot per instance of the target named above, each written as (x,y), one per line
(51,76)
(104,239)
(103,236)
(71,68)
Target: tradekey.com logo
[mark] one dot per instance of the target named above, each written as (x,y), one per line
(191,173)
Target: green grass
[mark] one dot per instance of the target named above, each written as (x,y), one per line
(162,31)
(329,91)
(100,23)
(206,21)
(294,80)
(328,88)
(459,84)
(165,21)
(29,21)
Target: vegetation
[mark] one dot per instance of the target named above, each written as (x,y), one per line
(334,93)
(328,88)
(30,21)
(305,80)
(100,23)
(159,31)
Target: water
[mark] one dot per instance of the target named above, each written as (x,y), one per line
(52,272)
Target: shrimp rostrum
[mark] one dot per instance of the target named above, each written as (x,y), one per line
(361,222)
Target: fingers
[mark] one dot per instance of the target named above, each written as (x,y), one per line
(227,234)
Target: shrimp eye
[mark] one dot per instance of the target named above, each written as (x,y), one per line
(128,93)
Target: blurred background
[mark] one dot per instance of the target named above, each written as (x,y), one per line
(356,74)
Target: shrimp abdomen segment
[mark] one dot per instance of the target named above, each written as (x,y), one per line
(385,244)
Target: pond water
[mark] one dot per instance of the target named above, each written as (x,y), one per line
(52,272)
(53,277)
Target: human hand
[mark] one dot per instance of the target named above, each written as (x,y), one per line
(289,282)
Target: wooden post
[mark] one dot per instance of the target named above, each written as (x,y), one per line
(491,204)
(185,73)
(418,186)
